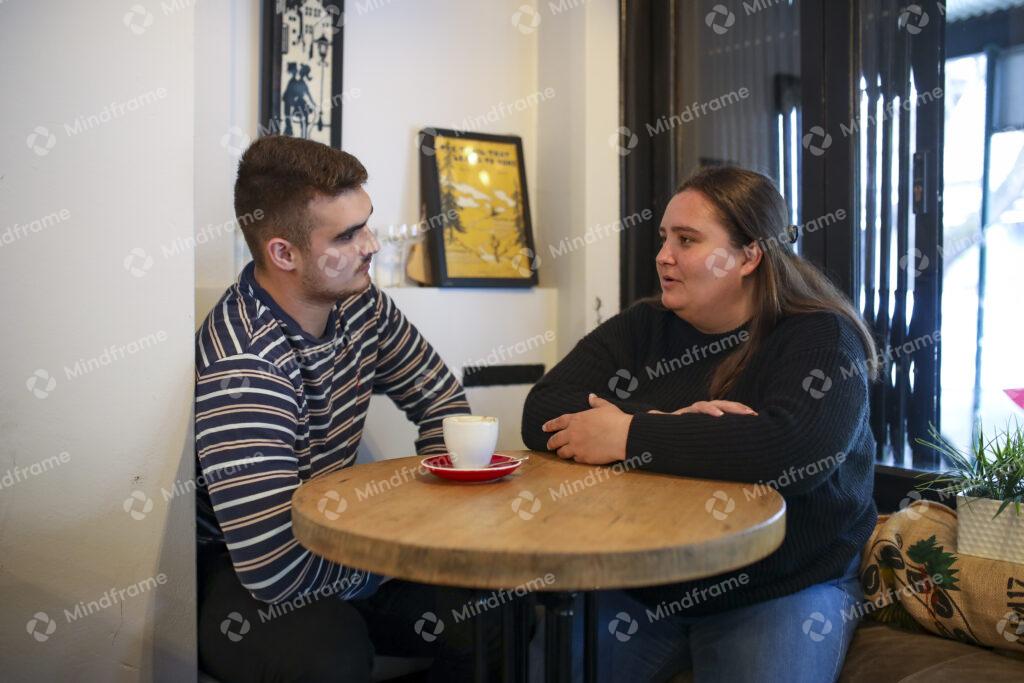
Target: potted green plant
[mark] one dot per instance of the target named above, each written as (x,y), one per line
(987,479)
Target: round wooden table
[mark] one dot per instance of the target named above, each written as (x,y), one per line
(555,526)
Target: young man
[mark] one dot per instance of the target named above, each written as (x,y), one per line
(285,366)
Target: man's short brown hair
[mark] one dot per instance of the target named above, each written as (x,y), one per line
(277,178)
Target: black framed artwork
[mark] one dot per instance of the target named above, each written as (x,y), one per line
(476,209)
(300,86)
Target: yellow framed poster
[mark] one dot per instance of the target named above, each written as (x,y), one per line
(477,211)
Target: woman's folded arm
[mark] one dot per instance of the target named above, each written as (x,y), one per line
(811,410)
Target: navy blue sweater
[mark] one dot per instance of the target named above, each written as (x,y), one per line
(810,440)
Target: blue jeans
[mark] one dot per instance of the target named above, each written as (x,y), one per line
(798,638)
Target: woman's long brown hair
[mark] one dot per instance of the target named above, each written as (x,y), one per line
(752,210)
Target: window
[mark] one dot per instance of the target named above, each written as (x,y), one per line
(983,241)
(908,117)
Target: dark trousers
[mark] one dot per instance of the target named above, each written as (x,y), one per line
(243,640)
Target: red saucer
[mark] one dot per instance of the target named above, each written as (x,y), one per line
(501,465)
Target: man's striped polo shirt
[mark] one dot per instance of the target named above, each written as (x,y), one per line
(276,406)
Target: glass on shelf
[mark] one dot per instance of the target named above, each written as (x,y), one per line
(395,243)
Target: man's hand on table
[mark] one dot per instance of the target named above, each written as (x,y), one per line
(594,437)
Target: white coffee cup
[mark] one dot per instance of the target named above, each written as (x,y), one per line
(470,439)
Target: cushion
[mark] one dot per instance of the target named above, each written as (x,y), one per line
(912,575)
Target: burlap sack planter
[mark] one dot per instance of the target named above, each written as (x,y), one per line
(978,534)
(914,578)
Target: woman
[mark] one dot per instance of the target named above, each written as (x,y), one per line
(751,367)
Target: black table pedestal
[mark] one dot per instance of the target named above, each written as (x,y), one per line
(559,614)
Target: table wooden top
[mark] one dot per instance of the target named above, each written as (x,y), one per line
(552,525)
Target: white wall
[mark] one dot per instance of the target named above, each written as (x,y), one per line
(412,64)
(579,163)
(67,292)
(519,328)
(226,113)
